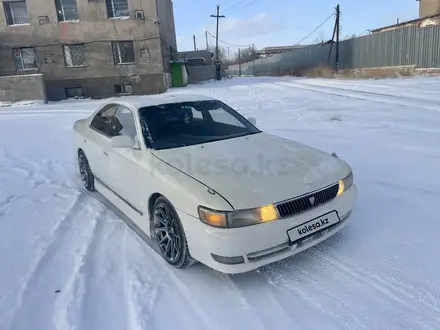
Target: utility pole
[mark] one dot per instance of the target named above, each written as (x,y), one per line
(195,45)
(338,21)
(216,35)
(239,63)
(206,37)
(253,60)
(332,41)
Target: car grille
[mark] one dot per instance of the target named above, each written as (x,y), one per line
(301,204)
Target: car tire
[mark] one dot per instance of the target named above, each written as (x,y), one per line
(168,234)
(85,172)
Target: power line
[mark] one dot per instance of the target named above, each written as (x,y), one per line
(210,22)
(233,6)
(228,43)
(245,6)
(316,29)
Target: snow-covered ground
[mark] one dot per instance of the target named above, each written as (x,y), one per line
(69,262)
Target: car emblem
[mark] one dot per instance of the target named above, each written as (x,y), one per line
(312,200)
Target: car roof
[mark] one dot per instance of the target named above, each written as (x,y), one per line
(138,102)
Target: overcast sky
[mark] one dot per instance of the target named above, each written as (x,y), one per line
(282,22)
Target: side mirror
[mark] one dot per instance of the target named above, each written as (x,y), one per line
(252,120)
(122,141)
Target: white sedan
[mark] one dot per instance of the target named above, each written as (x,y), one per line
(204,184)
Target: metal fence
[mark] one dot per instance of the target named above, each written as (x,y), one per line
(405,46)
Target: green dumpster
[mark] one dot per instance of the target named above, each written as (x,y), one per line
(179,74)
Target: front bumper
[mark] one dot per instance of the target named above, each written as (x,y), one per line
(261,244)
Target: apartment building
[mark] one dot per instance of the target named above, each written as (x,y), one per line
(429,8)
(90,48)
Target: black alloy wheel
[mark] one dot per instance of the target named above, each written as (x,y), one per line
(87,177)
(167,232)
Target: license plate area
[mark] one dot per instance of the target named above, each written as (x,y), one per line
(309,229)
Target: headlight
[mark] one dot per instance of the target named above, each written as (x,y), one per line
(234,219)
(345,184)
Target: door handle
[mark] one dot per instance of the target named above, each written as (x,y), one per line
(106,153)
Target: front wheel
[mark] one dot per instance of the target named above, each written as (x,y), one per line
(87,177)
(167,232)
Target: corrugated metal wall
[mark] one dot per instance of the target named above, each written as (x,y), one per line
(406,46)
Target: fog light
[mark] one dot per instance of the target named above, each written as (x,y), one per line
(228,260)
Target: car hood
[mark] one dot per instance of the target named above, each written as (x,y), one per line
(257,169)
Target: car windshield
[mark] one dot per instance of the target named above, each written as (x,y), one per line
(188,123)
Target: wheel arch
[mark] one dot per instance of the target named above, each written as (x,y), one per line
(153,198)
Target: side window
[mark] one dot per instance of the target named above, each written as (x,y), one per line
(103,119)
(123,123)
(222,116)
(195,113)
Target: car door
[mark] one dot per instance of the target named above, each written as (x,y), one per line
(123,162)
(97,141)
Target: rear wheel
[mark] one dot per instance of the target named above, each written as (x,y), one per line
(167,232)
(87,177)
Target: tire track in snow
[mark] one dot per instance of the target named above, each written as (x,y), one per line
(392,286)
(423,295)
(186,293)
(421,280)
(251,287)
(311,291)
(29,171)
(141,268)
(168,276)
(67,238)
(30,168)
(10,169)
(5,205)
(102,279)
(141,293)
(322,90)
(8,202)
(70,303)
(364,92)
(129,308)
(365,84)
(385,288)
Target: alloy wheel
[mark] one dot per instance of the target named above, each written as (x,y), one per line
(167,233)
(87,177)
(83,170)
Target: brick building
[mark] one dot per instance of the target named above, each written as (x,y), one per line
(428,8)
(90,48)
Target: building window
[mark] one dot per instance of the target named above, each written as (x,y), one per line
(123,89)
(24,59)
(16,12)
(74,55)
(117,8)
(66,10)
(74,92)
(123,52)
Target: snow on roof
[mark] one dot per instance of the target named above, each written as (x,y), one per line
(152,100)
